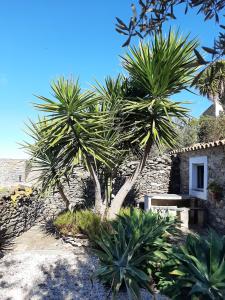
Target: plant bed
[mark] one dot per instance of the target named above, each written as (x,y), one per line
(216,191)
(135,256)
(76,228)
(81,222)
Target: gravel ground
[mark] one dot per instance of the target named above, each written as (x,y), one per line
(41,267)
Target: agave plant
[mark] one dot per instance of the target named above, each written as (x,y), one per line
(130,252)
(141,222)
(197,270)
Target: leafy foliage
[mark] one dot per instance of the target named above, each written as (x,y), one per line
(83,221)
(211,82)
(160,70)
(138,222)
(110,96)
(129,253)
(150,15)
(211,128)
(20,193)
(74,126)
(202,130)
(45,159)
(97,127)
(215,187)
(197,270)
(188,133)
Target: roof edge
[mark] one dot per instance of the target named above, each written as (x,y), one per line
(199,146)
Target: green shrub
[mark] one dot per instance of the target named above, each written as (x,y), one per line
(133,250)
(215,187)
(187,133)
(211,128)
(83,221)
(139,222)
(197,270)
(202,130)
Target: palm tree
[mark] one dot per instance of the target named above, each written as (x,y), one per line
(211,83)
(156,71)
(110,100)
(92,127)
(76,127)
(45,161)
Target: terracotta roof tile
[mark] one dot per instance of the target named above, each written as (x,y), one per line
(199,146)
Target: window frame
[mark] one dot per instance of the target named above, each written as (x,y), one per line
(194,162)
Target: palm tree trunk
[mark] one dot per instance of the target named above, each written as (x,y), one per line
(127,186)
(98,195)
(99,205)
(62,194)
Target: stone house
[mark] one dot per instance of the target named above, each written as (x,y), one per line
(200,165)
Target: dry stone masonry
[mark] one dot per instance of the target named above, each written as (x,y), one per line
(161,175)
(216,172)
(18,217)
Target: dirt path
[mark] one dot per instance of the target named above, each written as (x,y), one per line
(41,267)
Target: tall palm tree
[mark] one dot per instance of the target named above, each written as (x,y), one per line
(157,71)
(211,83)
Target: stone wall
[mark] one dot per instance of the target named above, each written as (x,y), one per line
(160,175)
(12,172)
(18,217)
(216,172)
(164,174)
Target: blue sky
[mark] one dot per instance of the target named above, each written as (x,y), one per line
(44,39)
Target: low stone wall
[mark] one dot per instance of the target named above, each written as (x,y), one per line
(160,175)
(18,217)
(216,213)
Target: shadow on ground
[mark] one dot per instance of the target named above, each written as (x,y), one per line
(49,228)
(63,280)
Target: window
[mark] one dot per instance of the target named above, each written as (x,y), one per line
(198,176)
